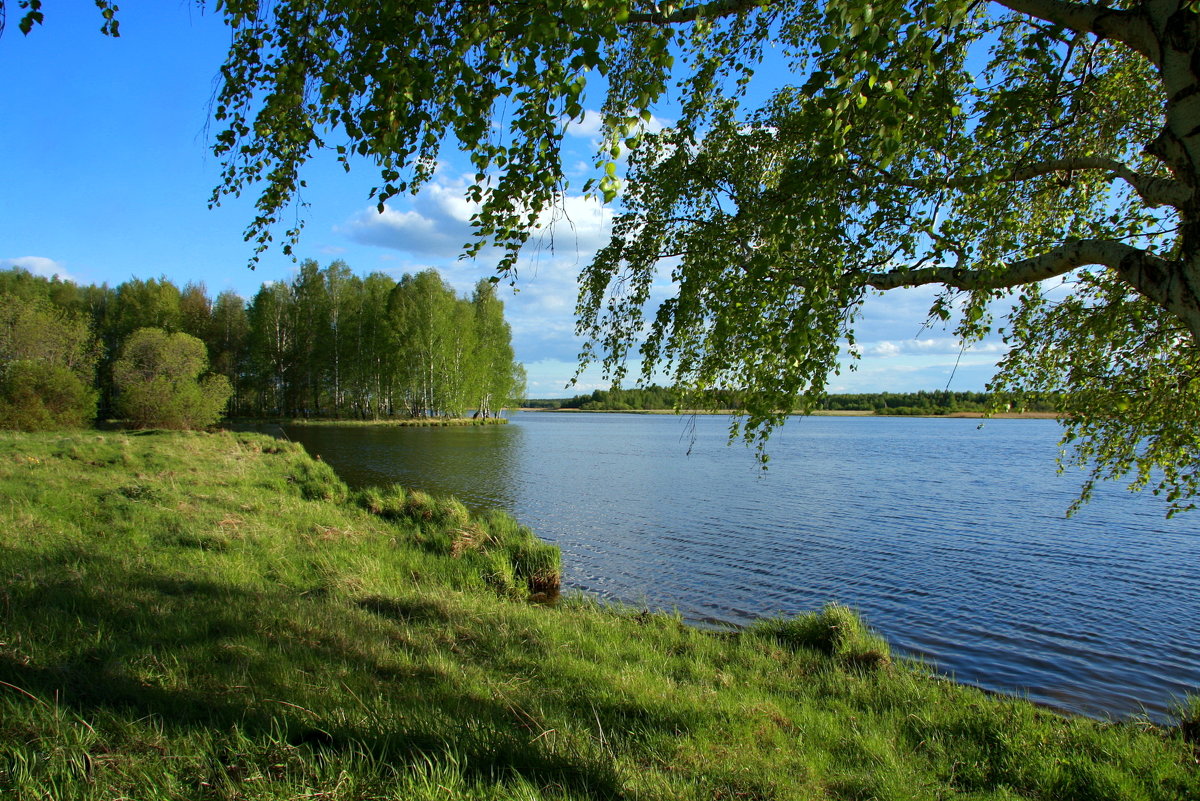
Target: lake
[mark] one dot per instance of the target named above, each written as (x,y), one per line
(948,537)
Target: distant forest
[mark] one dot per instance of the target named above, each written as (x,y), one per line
(654,397)
(327,343)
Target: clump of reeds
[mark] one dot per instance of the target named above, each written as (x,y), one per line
(835,631)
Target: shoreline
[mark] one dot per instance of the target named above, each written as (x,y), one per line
(818,413)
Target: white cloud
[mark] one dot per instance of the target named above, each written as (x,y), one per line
(928,346)
(542,311)
(578,226)
(590,130)
(587,128)
(39,265)
(593,121)
(437,223)
(549,378)
(910,373)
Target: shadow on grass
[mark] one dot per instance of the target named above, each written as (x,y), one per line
(194,654)
(405,610)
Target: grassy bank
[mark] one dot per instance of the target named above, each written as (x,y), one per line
(217,617)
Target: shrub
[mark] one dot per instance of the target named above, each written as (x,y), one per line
(158,378)
(47,365)
(41,396)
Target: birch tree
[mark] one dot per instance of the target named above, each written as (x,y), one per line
(494,352)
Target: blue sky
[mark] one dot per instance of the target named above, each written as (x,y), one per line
(107,173)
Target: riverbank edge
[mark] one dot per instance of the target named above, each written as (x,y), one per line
(165,534)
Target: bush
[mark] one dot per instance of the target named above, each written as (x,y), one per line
(47,365)
(41,396)
(159,384)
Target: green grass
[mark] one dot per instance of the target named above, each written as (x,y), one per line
(214,616)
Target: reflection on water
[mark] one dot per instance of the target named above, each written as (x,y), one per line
(478,464)
(948,537)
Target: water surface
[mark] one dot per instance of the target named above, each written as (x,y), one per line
(949,538)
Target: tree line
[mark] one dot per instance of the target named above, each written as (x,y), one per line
(654,397)
(940,401)
(326,343)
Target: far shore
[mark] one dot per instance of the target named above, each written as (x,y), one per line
(818,413)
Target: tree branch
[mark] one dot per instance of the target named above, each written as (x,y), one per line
(1060,260)
(1152,189)
(1129,27)
(716,8)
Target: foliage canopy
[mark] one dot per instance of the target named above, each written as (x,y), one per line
(991,149)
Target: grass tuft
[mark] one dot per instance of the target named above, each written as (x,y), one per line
(834,631)
(1189,720)
(536,563)
(316,480)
